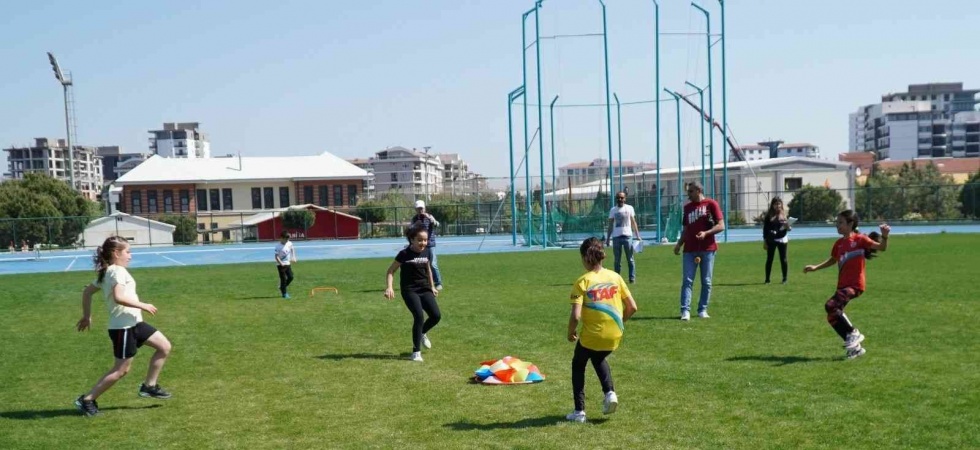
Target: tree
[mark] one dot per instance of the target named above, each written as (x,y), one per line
(298,219)
(371,211)
(970,197)
(911,192)
(186,231)
(815,204)
(49,211)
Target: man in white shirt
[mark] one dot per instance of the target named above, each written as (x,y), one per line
(622,227)
(285,256)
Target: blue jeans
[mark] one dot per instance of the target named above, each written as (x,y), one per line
(436,276)
(687,283)
(620,243)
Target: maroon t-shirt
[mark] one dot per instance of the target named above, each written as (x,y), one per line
(700,216)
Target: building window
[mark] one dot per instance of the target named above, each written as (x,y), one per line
(226,235)
(226,199)
(214,226)
(283,197)
(168,201)
(151,202)
(792,184)
(308,195)
(185,201)
(202,200)
(351,194)
(324,196)
(135,202)
(215,200)
(200,226)
(338,195)
(394,176)
(269,196)
(256,198)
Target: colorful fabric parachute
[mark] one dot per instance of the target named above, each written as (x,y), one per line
(508,370)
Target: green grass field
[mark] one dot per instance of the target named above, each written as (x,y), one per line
(250,370)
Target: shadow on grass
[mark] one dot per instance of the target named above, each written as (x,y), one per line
(340,357)
(778,360)
(50,414)
(546,421)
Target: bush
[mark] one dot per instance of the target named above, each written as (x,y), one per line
(298,219)
(816,204)
(186,231)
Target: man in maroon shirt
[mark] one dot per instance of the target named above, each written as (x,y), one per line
(702,220)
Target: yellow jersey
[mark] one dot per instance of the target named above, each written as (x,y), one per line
(602,296)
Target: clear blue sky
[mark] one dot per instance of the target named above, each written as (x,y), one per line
(302,77)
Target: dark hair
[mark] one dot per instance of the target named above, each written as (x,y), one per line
(850,217)
(591,250)
(414,230)
(695,184)
(871,253)
(771,212)
(284,234)
(104,253)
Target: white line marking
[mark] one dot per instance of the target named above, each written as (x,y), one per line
(71,264)
(169,258)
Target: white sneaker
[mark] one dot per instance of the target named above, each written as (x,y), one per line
(576,416)
(855,352)
(416,356)
(686,315)
(704,315)
(426,342)
(439,287)
(853,340)
(610,403)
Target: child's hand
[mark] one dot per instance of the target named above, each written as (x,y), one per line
(435,292)
(389,293)
(149,308)
(572,336)
(809,269)
(885,229)
(84,323)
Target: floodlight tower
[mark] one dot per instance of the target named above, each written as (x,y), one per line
(65,83)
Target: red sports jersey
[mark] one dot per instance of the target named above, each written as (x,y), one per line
(700,216)
(849,253)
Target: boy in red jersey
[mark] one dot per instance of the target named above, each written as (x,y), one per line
(850,253)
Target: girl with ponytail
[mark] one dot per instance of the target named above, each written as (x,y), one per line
(127,331)
(601,302)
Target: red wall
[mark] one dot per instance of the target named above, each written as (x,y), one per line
(327,225)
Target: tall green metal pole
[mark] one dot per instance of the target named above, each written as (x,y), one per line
(680,173)
(516,93)
(527,165)
(656,93)
(701,112)
(711,102)
(554,185)
(619,140)
(724,113)
(605,53)
(537,69)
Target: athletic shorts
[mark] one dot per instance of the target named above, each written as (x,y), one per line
(125,341)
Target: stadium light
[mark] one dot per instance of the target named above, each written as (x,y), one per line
(65,83)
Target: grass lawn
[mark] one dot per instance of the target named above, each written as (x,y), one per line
(251,370)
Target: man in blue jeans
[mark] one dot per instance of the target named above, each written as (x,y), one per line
(702,220)
(622,227)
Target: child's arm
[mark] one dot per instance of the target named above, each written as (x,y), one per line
(86,321)
(120,297)
(829,262)
(630,305)
(432,282)
(573,320)
(389,278)
(883,245)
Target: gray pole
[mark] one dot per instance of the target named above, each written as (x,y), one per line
(619,140)
(711,103)
(605,47)
(537,50)
(71,152)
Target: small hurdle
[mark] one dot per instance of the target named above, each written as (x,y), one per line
(324,289)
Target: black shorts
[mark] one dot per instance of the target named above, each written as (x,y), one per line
(125,341)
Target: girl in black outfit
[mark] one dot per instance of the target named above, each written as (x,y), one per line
(417,288)
(774,229)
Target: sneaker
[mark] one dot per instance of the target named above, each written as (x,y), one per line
(416,356)
(632,280)
(704,315)
(88,407)
(153,391)
(784,281)
(686,315)
(426,342)
(576,416)
(855,352)
(610,403)
(286,296)
(439,287)
(767,281)
(853,340)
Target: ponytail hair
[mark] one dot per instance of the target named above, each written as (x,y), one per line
(104,254)
(592,252)
(871,253)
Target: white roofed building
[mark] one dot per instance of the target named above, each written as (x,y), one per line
(225,190)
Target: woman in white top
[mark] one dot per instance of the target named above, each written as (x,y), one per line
(127,330)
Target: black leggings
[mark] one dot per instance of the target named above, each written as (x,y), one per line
(770,252)
(579,361)
(419,303)
(285,277)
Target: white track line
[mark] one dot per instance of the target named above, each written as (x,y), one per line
(72,263)
(169,258)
